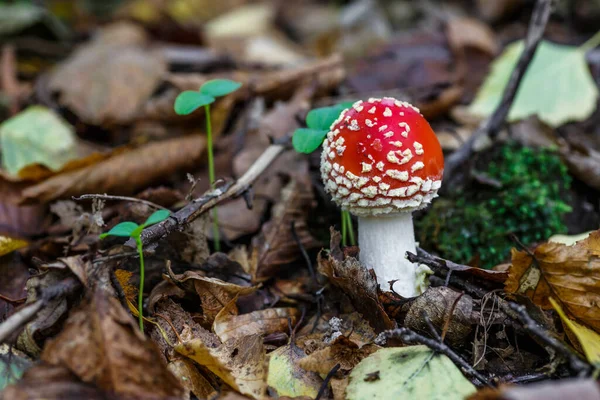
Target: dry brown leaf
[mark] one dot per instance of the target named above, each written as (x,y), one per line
(101,344)
(356,282)
(124,278)
(570,274)
(229,325)
(276,246)
(123,174)
(341,351)
(109,79)
(192,380)
(469,32)
(241,363)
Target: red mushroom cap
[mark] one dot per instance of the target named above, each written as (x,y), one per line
(381,157)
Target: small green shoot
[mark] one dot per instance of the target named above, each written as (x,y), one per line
(307,140)
(189,101)
(133,230)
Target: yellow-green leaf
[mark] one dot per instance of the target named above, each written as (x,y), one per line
(588,339)
(8,245)
(413,372)
(36,136)
(287,378)
(557,86)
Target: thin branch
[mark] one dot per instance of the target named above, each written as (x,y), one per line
(409,336)
(491,126)
(117,198)
(202,204)
(326,381)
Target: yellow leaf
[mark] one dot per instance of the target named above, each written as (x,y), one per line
(588,339)
(8,244)
(129,290)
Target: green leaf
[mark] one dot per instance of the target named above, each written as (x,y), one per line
(156,217)
(413,372)
(219,87)
(123,229)
(12,365)
(322,118)
(557,86)
(36,136)
(307,140)
(19,16)
(189,101)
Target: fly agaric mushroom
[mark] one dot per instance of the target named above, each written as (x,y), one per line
(381,161)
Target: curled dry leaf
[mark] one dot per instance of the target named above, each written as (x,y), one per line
(276,246)
(122,174)
(341,351)
(192,380)
(108,79)
(356,282)
(229,325)
(102,345)
(570,274)
(241,363)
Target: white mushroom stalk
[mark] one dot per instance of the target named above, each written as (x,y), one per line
(381,161)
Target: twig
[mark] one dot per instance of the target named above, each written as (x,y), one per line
(200,205)
(117,198)
(311,270)
(410,337)
(325,383)
(14,301)
(490,127)
(576,363)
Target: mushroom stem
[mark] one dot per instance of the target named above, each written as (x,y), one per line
(384,241)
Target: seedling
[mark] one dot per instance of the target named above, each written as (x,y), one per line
(307,140)
(133,230)
(189,101)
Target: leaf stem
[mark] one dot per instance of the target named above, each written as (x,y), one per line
(138,242)
(350,228)
(591,43)
(211,176)
(344,229)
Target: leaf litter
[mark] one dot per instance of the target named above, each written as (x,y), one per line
(283,309)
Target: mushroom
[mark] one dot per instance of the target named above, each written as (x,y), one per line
(381,161)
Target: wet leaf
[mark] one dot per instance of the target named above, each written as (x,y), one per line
(287,378)
(569,273)
(157,216)
(413,372)
(36,136)
(229,325)
(306,140)
(101,344)
(587,338)
(108,79)
(356,282)
(123,229)
(189,101)
(219,87)
(124,173)
(241,363)
(572,95)
(9,244)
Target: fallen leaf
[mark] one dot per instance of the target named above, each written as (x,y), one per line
(469,32)
(356,282)
(123,173)
(109,79)
(570,388)
(276,246)
(342,351)
(571,97)
(36,135)
(568,273)
(19,16)
(124,278)
(12,365)
(9,244)
(15,273)
(101,344)
(192,380)
(588,340)
(287,378)
(414,372)
(241,362)
(229,325)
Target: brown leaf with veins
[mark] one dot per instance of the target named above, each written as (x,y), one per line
(109,79)
(570,274)
(101,344)
(353,278)
(124,173)
(241,363)
(341,351)
(229,325)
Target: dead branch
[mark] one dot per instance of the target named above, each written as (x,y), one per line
(491,126)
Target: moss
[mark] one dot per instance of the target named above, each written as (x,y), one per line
(473,226)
